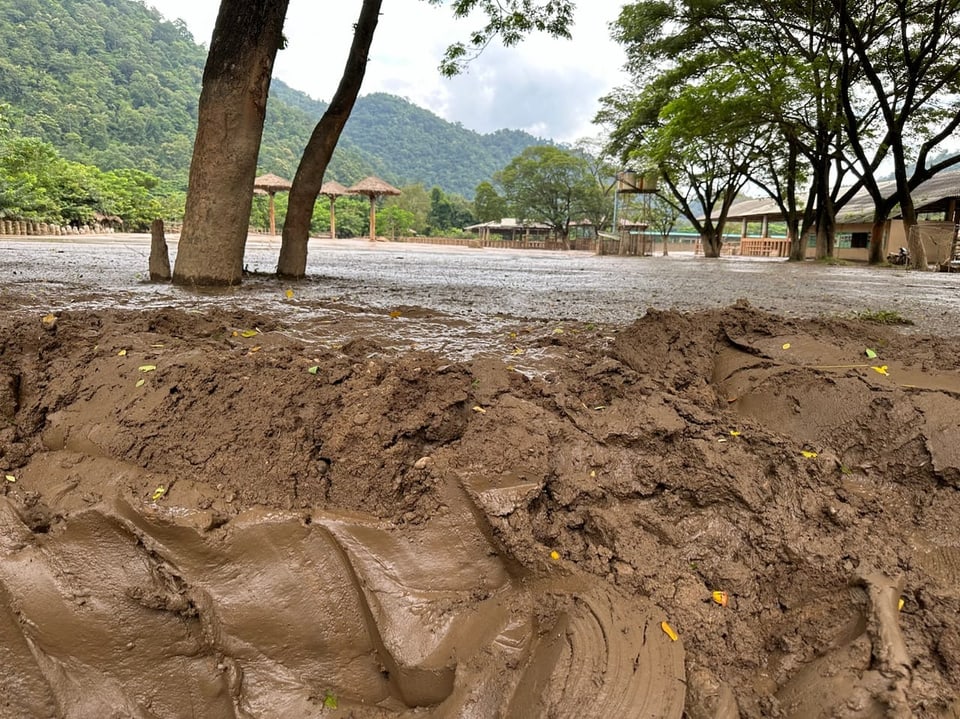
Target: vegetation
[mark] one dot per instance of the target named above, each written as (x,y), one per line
(884,317)
(37,183)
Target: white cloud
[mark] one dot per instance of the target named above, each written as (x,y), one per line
(544,85)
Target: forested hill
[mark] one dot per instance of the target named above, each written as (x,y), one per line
(113,84)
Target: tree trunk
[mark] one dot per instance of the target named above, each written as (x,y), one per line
(877,234)
(918,253)
(309,178)
(233,103)
(798,242)
(712,243)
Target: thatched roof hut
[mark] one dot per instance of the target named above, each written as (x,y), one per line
(332,190)
(271,184)
(373,187)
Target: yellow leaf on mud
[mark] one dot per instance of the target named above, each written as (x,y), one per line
(10,478)
(122,353)
(786,346)
(554,555)
(249,333)
(517,351)
(147,367)
(558,331)
(289,294)
(49,319)
(593,473)
(158,493)
(395,314)
(734,433)
(720,598)
(479,410)
(900,604)
(809,455)
(668,630)
(141,382)
(255,349)
(882,369)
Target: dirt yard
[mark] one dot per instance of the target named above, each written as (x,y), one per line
(427,483)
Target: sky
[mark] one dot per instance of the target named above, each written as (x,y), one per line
(546,86)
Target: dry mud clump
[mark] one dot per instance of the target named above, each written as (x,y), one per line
(200,518)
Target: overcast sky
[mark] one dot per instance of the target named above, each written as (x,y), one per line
(544,86)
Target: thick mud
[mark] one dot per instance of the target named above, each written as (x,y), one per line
(313,508)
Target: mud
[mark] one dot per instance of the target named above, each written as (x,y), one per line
(309,507)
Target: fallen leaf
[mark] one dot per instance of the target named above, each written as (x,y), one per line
(330,700)
(593,473)
(786,346)
(668,630)
(734,433)
(255,349)
(122,353)
(558,331)
(49,319)
(722,439)
(147,367)
(235,334)
(600,407)
(554,555)
(809,455)
(157,346)
(900,604)
(479,410)
(141,382)
(517,351)
(882,369)
(720,598)
(871,353)
(158,493)
(10,478)
(249,333)
(396,313)
(289,294)
(314,369)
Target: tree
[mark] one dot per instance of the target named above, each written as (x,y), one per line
(233,103)
(487,204)
(416,200)
(547,184)
(907,54)
(395,220)
(662,217)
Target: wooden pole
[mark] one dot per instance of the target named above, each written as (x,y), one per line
(273,222)
(333,217)
(373,217)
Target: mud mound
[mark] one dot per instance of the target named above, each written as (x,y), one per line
(216,513)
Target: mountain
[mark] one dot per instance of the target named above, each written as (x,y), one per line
(113,84)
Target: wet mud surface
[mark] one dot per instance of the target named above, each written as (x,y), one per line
(387,493)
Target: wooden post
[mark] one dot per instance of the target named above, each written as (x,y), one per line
(273,221)
(159,256)
(333,217)
(373,217)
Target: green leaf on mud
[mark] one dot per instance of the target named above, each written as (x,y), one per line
(10,478)
(141,382)
(872,354)
(147,367)
(330,700)
(249,333)
(314,369)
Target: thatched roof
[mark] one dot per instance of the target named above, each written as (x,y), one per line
(271,183)
(332,188)
(373,187)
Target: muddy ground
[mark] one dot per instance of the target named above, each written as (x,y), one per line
(416,485)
